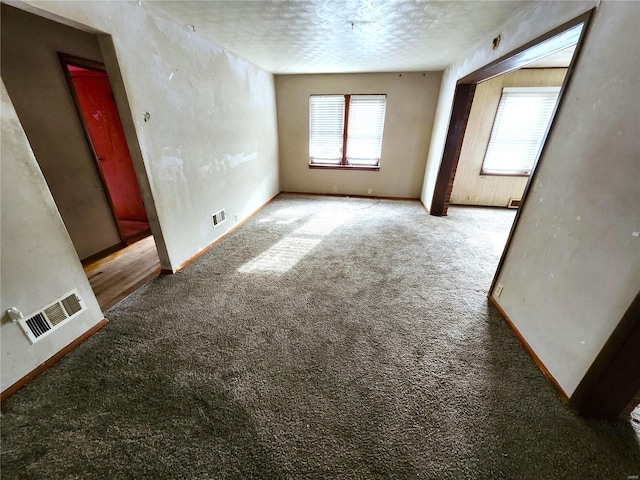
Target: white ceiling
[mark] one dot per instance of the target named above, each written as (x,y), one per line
(330,36)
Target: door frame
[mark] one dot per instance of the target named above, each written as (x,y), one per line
(463,97)
(131,131)
(65,61)
(611,386)
(612,381)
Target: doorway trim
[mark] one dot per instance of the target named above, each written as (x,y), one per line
(110,65)
(463,96)
(612,382)
(110,59)
(65,61)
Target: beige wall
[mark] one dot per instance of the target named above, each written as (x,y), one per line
(38,89)
(411,101)
(38,263)
(573,267)
(493,190)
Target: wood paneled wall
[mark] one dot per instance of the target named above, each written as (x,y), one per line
(471,188)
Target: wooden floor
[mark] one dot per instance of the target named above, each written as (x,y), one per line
(121,273)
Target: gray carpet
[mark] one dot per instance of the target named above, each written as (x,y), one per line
(327,338)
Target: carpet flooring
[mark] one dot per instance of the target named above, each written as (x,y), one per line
(327,338)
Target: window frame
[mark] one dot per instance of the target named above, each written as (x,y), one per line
(518,172)
(344,165)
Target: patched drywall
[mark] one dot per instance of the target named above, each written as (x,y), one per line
(573,267)
(194,107)
(470,187)
(39,91)
(411,101)
(38,262)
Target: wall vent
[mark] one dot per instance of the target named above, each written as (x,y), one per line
(514,202)
(52,316)
(218,217)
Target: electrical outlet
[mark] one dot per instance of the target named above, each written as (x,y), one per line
(335,189)
(467,198)
(369,191)
(476,198)
(235,218)
(499,289)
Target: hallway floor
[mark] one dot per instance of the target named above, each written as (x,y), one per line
(123,272)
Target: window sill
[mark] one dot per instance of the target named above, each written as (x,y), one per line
(520,174)
(344,167)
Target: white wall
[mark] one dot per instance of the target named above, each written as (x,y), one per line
(543,17)
(211,141)
(573,267)
(469,187)
(38,262)
(411,101)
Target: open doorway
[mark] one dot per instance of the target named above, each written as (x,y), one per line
(608,388)
(101,208)
(507,121)
(508,118)
(558,46)
(91,89)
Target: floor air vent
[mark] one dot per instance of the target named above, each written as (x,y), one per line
(45,321)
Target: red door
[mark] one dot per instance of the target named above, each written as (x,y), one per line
(96,101)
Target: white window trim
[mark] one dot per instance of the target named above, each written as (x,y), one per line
(517,135)
(358,127)
(326,133)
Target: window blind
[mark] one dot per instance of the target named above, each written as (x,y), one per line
(518,129)
(364,130)
(326,129)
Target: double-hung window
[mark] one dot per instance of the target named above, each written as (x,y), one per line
(346,130)
(518,130)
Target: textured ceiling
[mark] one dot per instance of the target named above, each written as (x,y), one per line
(329,36)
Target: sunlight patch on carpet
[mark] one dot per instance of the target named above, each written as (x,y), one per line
(282,256)
(284,216)
(285,254)
(321,226)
